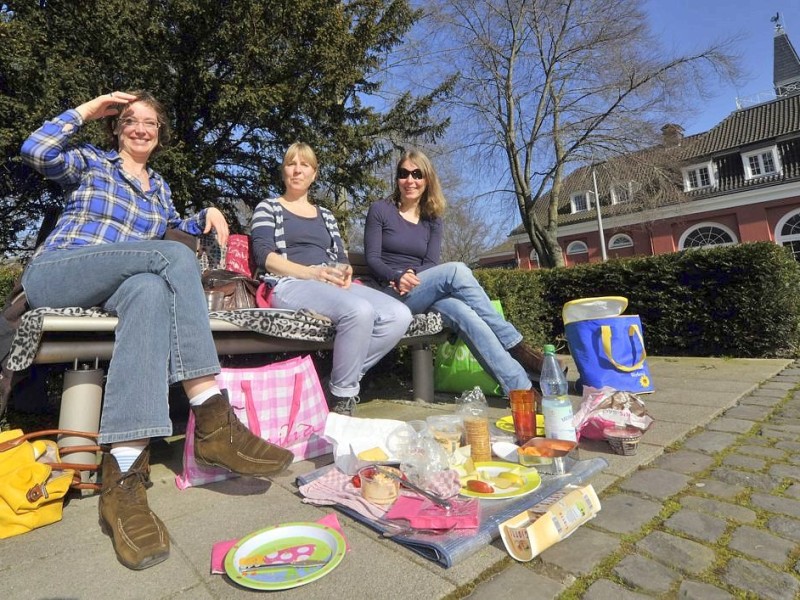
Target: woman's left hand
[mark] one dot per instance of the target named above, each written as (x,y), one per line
(407,282)
(216,220)
(347,276)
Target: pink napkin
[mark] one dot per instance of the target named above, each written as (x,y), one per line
(422,513)
(220,550)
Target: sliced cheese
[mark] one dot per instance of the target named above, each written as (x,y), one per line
(373,454)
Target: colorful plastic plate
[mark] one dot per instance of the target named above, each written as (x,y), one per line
(325,544)
(531,480)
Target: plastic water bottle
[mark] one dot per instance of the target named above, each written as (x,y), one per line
(556,405)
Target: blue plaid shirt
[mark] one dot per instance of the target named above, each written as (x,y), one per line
(103,204)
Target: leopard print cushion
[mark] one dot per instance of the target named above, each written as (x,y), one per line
(295,325)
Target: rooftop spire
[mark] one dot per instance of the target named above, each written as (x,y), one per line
(786,65)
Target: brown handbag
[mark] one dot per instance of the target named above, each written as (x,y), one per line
(237,291)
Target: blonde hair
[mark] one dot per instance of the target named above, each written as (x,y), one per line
(433,203)
(302,150)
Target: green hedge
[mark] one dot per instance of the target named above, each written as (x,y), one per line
(741,301)
(8,274)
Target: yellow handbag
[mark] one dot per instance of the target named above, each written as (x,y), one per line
(33,481)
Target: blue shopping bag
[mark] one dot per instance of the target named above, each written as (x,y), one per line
(607,350)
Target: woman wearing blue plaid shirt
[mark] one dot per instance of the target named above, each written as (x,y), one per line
(106,250)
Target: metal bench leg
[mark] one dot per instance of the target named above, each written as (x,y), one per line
(422,372)
(81,399)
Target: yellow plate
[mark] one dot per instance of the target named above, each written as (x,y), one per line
(507,424)
(531,478)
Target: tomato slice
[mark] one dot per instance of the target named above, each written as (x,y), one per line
(480,487)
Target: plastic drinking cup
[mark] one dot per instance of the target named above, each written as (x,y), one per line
(524,424)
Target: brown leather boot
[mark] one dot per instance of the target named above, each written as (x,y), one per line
(221,440)
(530,359)
(140,538)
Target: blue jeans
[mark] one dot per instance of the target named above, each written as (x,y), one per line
(368,325)
(452,290)
(163,335)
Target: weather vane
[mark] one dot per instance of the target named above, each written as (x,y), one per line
(776,19)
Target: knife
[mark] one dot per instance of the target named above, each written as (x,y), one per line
(298,564)
(422,492)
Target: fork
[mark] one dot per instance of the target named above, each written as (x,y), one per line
(438,500)
(408,529)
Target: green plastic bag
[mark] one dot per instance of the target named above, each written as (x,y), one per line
(457,370)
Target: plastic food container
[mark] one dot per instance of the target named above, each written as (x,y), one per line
(623,440)
(546,452)
(377,487)
(447,430)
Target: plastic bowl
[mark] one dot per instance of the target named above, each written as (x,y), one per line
(377,487)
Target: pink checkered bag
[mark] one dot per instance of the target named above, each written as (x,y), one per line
(282,402)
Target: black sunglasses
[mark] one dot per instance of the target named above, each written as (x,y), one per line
(405,174)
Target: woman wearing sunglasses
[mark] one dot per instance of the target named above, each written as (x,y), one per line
(298,244)
(402,243)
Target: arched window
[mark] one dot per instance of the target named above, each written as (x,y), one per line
(787,232)
(620,240)
(577,248)
(534,258)
(703,235)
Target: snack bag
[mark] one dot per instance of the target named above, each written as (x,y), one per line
(608,407)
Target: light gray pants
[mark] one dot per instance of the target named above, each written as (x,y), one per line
(368,324)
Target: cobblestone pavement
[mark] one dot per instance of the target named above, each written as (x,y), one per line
(716,517)
(708,507)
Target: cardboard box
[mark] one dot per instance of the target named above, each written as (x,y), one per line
(555,518)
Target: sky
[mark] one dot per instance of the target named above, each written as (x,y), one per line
(684,25)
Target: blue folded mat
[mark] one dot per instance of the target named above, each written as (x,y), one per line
(453,547)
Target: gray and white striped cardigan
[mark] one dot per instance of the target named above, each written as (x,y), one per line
(269,213)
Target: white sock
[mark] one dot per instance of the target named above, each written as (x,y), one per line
(127,455)
(203,396)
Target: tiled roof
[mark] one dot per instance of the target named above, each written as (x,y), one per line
(748,126)
(507,246)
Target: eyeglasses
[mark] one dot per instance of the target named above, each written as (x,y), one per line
(148,125)
(405,174)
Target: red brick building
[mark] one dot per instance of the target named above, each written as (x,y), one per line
(738,182)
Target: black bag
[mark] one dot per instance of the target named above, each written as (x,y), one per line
(238,291)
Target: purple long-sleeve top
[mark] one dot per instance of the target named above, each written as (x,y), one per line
(393,245)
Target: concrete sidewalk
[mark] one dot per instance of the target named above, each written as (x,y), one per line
(640,541)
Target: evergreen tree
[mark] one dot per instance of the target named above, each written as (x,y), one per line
(242,79)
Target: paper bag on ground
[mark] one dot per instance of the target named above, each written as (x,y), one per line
(532,532)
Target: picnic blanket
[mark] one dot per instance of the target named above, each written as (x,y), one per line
(453,547)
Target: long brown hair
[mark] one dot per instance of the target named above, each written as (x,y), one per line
(432,204)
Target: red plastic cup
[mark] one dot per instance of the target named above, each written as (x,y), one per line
(523,413)
(524,424)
